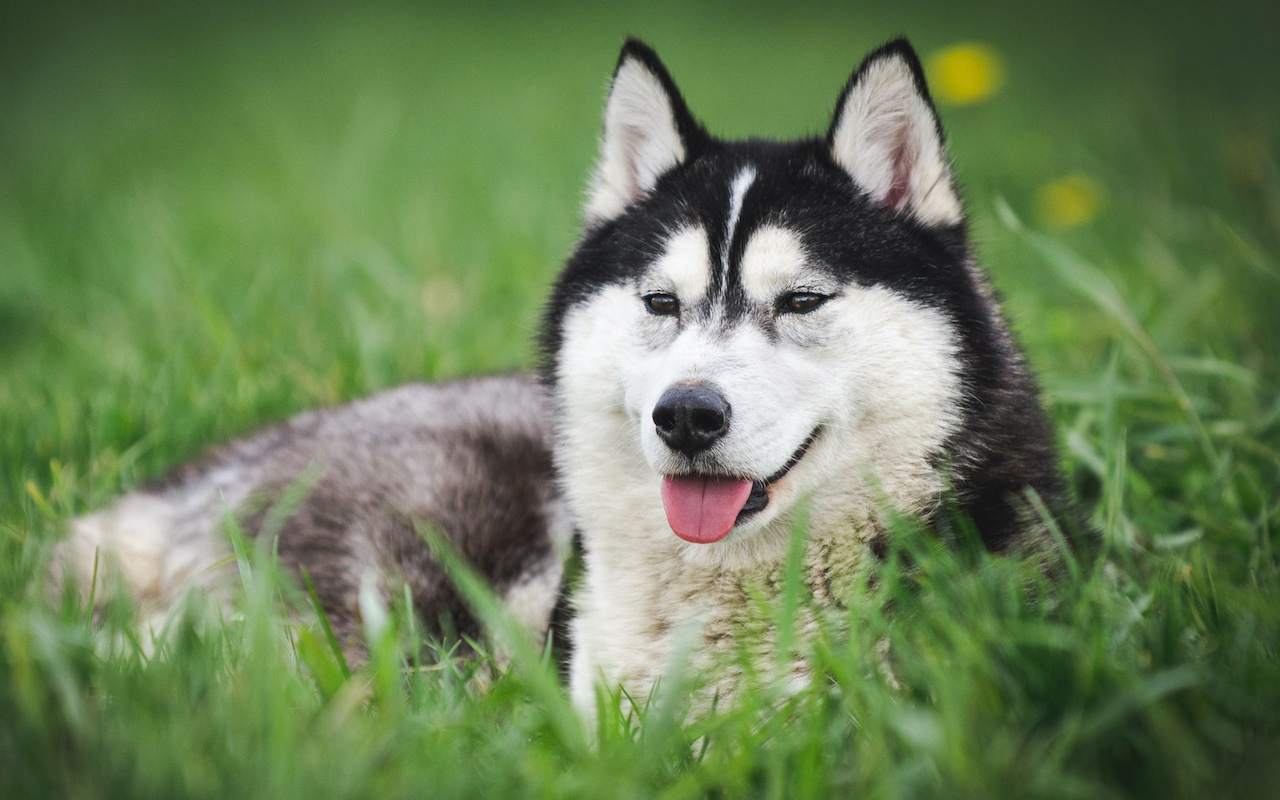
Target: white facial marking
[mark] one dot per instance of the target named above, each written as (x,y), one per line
(737,192)
(773,262)
(684,268)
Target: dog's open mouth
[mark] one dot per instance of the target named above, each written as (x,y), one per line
(705,508)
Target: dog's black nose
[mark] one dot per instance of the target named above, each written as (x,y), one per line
(691,417)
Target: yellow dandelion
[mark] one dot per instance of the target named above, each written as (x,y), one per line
(964,74)
(1069,202)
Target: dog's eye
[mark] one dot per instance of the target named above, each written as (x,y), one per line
(664,305)
(800,302)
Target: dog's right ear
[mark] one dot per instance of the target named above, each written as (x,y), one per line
(887,136)
(648,130)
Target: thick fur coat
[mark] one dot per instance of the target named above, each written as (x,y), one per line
(745,329)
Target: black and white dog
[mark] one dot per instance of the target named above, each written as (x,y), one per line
(744,326)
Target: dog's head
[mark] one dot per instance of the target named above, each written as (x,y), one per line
(747,323)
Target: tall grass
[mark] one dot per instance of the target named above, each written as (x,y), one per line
(212,218)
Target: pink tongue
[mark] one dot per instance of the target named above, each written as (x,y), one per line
(703,510)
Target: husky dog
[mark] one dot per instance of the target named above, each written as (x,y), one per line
(744,328)
(746,324)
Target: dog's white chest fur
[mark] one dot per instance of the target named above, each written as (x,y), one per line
(640,618)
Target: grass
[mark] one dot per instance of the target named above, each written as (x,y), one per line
(212,219)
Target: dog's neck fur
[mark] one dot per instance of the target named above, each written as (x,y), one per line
(647,600)
(646,595)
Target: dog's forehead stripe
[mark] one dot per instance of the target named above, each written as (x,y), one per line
(737,193)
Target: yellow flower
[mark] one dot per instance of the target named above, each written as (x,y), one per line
(967,73)
(1069,202)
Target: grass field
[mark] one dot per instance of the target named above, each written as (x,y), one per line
(212,218)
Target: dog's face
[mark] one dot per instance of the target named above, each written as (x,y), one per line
(745,324)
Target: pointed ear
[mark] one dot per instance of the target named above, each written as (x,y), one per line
(887,136)
(647,131)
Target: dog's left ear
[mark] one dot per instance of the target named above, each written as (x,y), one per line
(648,131)
(887,136)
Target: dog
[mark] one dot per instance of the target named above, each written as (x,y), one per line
(745,329)
(471,459)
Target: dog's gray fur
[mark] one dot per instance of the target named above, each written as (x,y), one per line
(472,458)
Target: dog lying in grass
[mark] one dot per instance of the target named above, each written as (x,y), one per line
(745,329)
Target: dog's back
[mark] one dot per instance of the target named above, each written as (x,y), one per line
(343,491)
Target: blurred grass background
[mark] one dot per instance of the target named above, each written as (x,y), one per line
(214,215)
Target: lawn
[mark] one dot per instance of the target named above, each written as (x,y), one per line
(213,217)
